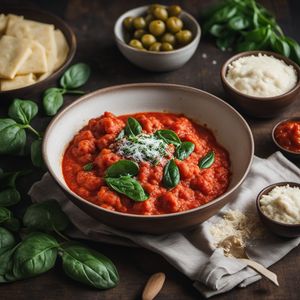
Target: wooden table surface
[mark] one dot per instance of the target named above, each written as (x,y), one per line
(93,23)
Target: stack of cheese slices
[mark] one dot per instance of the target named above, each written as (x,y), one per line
(29,51)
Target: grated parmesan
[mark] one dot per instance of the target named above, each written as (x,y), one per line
(282,204)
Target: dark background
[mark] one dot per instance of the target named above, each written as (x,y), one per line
(92,22)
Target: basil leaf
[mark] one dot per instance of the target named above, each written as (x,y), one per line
(76,76)
(52,101)
(168,136)
(281,46)
(122,168)
(120,135)
(127,186)
(207,160)
(36,153)
(8,179)
(9,197)
(171,174)
(184,150)
(45,216)
(88,167)
(238,23)
(6,259)
(35,255)
(89,267)
(295,50)
(12,137)
(217,30)
(224,14)
(7,240)
(5,214)
(23,111)
(133,127)
(12,224)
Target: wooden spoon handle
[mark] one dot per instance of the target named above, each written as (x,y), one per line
(261,270)
(153,286)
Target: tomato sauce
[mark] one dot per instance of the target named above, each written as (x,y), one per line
(287,135)
(196,187)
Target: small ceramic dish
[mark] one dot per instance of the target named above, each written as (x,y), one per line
(157,61)
(294,155)
(45,17)
(279,228)
(260,107)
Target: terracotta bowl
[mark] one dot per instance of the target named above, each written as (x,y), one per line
(157,61)
(281,229)
(202,107)
(260,107)
(45,17)
(293,155)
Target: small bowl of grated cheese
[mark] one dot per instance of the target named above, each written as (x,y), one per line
(278,206)
(261,83)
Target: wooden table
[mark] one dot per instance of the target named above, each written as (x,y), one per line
(93,23)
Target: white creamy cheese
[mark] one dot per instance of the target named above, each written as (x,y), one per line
(282,204)
(261,76)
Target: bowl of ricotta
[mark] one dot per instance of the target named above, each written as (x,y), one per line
(261,83)
(278,206)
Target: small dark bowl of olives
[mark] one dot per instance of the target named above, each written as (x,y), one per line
(157,37)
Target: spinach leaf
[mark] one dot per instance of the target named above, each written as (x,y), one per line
(23,111)
(207,160)
(122,168)
(88,167)
(184,150)
(127,186)
(7,240)
(5,214)
(35,255)
(133,127)
(45,216)
(168,136)
(76,76)
(89,267)
(12,137)
(36,153)
(171,174)
(52,101)
(9,197)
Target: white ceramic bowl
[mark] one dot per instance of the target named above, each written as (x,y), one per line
(157,61)
(230,129)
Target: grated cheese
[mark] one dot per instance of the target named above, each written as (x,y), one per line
(142,148)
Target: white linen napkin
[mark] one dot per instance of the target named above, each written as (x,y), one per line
(191,252)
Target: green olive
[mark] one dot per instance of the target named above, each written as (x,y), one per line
(139,33)
(160,13)
(183,37)
(168,38)
(155,47)
(149,18)
(148,40)
(174,10)
(166,47)
(127,23)
(157,27)
(139,23)
(153,6)
(174,24)
(136,44)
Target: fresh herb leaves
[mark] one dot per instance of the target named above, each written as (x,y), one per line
(171,175)
(122,168)
(207,160)
(168,136)
(133,127)
(184,150)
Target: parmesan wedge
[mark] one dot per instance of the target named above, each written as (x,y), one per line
(17,82)
(13,53)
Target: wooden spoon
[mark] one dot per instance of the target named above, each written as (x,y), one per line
(153,286)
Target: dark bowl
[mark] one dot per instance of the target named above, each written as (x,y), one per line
(260,107)
(293,155)
(279,228)
(45,17)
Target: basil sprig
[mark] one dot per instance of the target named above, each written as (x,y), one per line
(207,160)
(171,175)
(76,76)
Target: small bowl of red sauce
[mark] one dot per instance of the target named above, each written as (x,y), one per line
(286,136)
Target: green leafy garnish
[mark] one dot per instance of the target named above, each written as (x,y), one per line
(207,160)
(168,136)
(122,168)
(171,175)
(184,150)
(133,127)
(88,167)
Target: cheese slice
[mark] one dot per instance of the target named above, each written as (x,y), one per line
(62,48)
(3,22)
(13,53)
(36,62)
(40,32)
(17,82)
